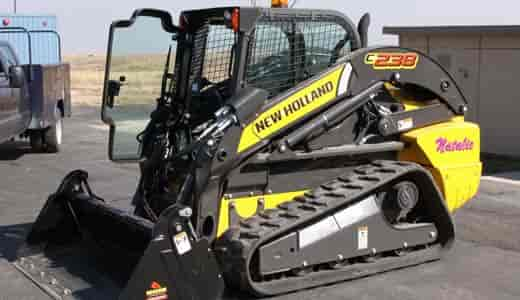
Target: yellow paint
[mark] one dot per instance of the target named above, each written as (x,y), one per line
(296,106)
(412,105)
(247,206)
(451,151)
(408,101)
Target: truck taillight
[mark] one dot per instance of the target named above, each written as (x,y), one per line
(6,22)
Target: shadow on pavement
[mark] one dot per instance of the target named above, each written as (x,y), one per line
(14,150)
(498,164)
(72,272)
(12,238)
(72,267)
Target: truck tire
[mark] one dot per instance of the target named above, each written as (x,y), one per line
(36,140)
(53,135)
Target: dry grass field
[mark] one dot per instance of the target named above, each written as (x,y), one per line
(87,78)
(143,77)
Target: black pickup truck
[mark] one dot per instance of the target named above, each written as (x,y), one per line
(34,98)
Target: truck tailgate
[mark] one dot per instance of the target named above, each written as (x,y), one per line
(49,84)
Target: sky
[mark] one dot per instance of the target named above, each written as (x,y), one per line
(84,24)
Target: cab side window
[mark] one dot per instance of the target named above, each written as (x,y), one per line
(270,64)
(285,52)
(3,69)
(325,42)
(6,60)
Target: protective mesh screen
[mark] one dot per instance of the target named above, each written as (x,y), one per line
(286,52)
(212,53)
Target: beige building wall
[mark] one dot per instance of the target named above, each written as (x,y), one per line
(487,69)
(418,42)
(500,101)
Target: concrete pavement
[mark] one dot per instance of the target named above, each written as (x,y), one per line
(484,264)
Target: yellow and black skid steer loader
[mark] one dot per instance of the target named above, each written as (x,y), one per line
(277,153)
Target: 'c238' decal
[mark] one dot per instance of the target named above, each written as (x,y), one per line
(392,60)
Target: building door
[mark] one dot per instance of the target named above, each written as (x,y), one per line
(463,65)
(499,120)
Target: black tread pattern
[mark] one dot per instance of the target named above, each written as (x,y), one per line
(236,247)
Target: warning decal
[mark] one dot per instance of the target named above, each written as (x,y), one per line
(156,292)
(182,243)
(405,124)
(362,237)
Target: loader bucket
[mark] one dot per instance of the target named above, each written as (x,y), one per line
(81,247)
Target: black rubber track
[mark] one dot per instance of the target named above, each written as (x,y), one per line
(236,248)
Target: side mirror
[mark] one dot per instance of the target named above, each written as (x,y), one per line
(113,89)
(16,77)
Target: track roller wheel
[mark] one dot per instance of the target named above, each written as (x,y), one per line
(302,271)
(403,251)
(371,257)
(338,264)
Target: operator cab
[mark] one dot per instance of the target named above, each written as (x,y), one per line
(195,67)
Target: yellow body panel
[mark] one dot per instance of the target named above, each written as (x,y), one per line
(412,105)
(247,206)
(291,109)
(408,101)
(451,151)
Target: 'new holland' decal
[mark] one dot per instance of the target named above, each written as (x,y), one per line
(298,105)
(293,107)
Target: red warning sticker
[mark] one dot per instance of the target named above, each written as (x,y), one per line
(156,292)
